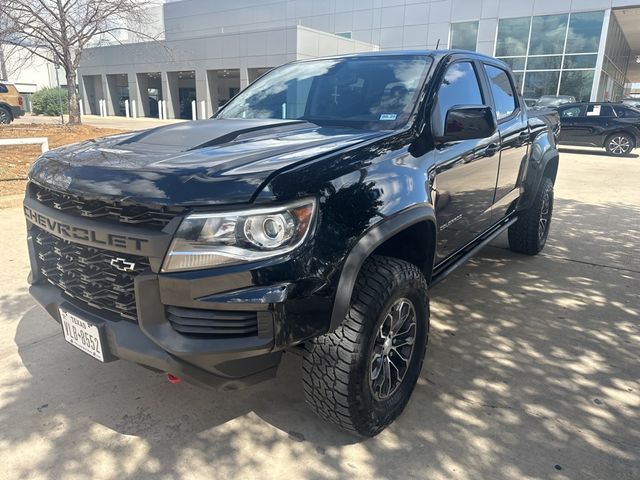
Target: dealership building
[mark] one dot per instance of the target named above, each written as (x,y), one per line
(210,49)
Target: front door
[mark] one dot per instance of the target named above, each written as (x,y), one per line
(466,171)
(570,118)
(514,139)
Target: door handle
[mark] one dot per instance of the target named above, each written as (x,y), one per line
(491,150)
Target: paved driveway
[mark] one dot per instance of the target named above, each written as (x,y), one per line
(532,371)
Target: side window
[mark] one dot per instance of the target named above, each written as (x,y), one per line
(571,112)
(503,94)
(626,112)
(459,87)
(607,111)
(3,88)
(600,111)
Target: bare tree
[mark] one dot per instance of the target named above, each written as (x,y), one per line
(60,30)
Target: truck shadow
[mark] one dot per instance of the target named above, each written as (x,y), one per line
(532,367)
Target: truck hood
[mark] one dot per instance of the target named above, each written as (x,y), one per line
(206,162)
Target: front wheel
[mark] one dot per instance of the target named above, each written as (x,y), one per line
(619,144)
(361,375)
(529,234)
(5,115)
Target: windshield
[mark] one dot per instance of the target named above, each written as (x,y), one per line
(360,92)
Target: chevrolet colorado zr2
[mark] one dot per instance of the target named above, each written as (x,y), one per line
(311,214)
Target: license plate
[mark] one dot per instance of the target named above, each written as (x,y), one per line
(81,334)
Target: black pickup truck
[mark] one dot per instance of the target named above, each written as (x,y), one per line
(310,215)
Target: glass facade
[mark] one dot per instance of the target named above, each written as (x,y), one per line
(551,54)
(614,65)
(464,36)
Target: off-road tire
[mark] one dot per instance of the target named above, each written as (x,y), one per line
(524,235)
(337,365)
(5,116)
(620,144)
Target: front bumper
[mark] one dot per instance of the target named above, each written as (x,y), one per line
(227,367)
(286,311)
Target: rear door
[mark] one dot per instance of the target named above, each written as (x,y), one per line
(466,170)
(514,138)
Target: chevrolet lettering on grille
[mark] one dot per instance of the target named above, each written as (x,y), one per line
(76,233)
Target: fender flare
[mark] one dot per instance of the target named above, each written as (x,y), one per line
(547,152)
(364,247)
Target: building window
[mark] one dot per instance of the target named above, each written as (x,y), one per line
(551,54)
(548,33)
(513,37)
(464,36)
(584,32)
(577,83)
(537,84)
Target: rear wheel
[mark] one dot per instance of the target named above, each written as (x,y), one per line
(361,375)
(619,144)
(5,115)
(529,234)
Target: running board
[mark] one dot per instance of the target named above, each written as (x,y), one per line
(486,238)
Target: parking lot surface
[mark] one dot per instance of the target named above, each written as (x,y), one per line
(532,371)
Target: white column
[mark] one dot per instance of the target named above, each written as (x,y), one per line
(194,110)
(106,92)
(203,109)
(600,61)
(169,94)
(244,78)
(134,111)
(127,111)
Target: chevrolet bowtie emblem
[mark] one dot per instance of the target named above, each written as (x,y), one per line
(122,265)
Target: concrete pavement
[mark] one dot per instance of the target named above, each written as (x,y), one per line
(532,371)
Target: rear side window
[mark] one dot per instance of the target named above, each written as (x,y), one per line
(571,112)
(503,94)
(3,88)
(627,112)
(459,87)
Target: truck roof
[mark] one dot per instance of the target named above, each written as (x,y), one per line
(436,54)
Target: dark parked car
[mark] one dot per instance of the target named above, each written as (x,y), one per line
(311,215)
(613,126)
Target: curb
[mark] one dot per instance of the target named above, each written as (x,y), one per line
(11,201)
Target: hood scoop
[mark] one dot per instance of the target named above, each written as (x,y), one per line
(195,135)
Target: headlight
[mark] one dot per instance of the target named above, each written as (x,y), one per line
(212,239)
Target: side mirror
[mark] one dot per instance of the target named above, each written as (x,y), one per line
(468,123)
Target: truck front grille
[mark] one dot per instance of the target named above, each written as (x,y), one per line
(212,323)
(90,275)
(117,212)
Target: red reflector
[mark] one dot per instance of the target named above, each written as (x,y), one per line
(173,379)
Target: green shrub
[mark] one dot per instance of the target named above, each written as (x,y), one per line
(49,100)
